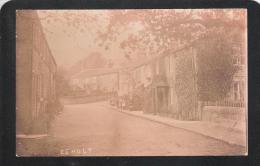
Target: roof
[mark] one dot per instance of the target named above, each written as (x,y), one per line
(95,72)
(169,52)
(44,38)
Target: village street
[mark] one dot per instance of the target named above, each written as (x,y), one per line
(97,129)
(182,91)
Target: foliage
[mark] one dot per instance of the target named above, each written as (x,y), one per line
(215,68)
(185,84)
(76,20)
(184,74)
(168,29)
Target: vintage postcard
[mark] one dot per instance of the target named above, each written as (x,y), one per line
(142,82)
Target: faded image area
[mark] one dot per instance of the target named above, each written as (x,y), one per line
(152,82)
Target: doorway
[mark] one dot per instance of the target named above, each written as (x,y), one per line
(162,99)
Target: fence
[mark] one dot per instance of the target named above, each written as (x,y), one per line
(226,103)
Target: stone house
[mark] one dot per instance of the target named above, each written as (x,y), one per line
(35,77)
(100,79)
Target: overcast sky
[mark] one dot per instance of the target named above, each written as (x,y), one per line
(71,43)
(72,34)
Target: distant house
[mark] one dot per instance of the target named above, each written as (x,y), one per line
(239,83)
(142,74)
(35,76)
(93,60)
(238,94)
(99,79)
(124,84)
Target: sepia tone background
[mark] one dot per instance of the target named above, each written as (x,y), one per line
(131,82)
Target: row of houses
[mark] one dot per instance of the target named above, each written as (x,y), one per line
(156,81)
(98,80)
(35,74)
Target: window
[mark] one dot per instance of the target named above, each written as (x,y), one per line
(236,91)
(239,60)
(171,64)
(242,91)
(167,65)
(157,68)
(34,97)
(243,60)
(236,60)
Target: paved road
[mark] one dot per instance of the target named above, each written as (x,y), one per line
(96,129)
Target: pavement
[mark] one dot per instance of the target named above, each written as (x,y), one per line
(95,129)
(232,132)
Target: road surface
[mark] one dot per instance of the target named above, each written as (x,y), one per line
(96,129)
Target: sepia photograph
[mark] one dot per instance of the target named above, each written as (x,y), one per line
(131,82)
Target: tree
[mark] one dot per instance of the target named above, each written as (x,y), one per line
(213,32)
(215,68)
(71,19)
(168,29)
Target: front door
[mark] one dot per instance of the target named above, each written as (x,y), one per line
(162,99)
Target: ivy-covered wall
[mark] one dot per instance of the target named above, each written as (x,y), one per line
(185,85)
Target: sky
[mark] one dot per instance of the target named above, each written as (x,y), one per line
(72,34)
(71,43)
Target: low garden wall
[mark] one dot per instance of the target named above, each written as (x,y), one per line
(83,99)
(213,113)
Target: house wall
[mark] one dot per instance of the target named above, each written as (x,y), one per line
(124,81)
(43,71)
(106,82)
(24,41)
(171,75)
(174,77)
(35,76)
(185,85)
